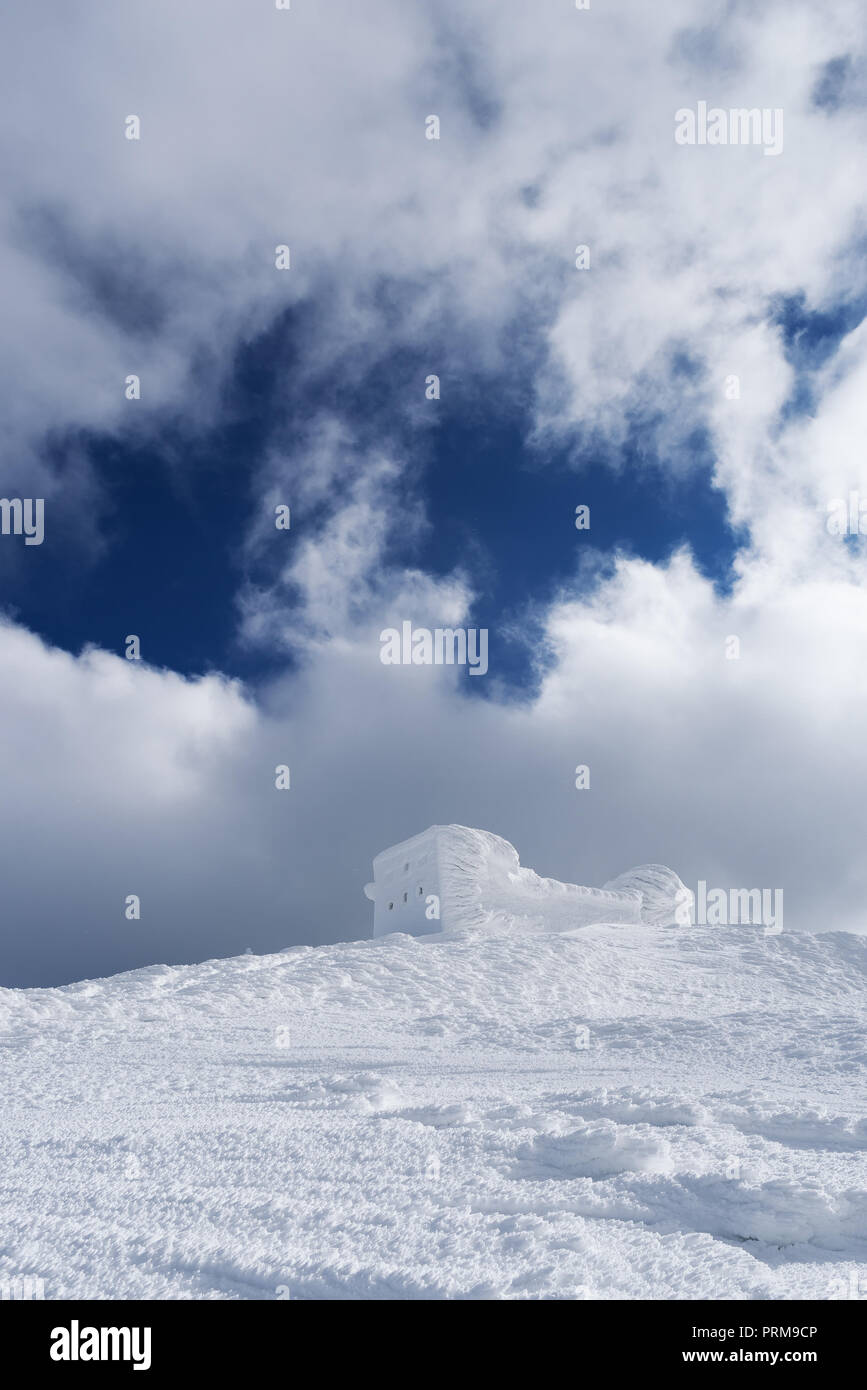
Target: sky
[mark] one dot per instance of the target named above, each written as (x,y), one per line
(699,385)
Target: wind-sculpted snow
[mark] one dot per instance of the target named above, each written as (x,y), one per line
(665,900)
(483,882)
(620,1111)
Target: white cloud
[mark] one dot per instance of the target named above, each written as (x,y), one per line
(744,773)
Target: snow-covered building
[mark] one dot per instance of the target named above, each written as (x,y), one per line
(451,876)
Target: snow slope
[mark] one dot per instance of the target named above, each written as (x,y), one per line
(623,1111)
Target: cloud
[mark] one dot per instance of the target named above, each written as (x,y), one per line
(127,780)
(115,777)
(307,127)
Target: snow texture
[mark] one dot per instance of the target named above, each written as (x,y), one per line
(665,901)
(613,1112)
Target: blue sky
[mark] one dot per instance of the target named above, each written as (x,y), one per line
(496,504)
(699,386)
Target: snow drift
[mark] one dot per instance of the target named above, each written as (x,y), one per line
(620,1112)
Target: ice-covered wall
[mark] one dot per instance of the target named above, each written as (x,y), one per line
(406,886)
(472,878)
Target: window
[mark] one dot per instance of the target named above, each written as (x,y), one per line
(390,906)
(406,868)
(420,890)
(405,897)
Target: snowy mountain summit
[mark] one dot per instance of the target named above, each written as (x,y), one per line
(451,877)
(616,1112)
